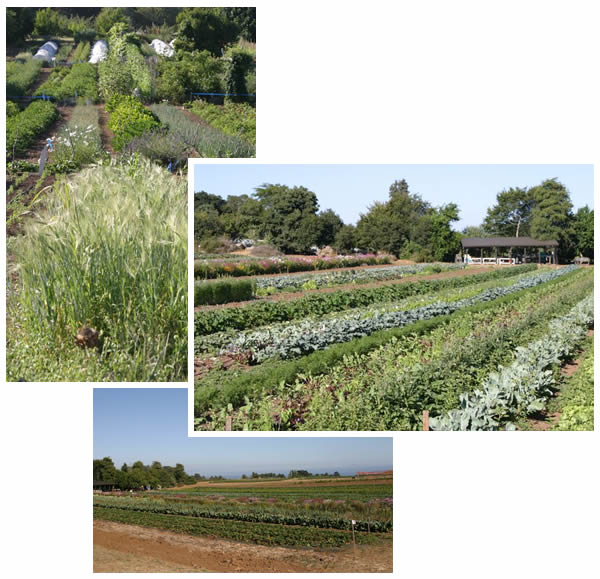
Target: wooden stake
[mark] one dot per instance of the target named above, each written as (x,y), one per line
(353,540)
(425,419)
(228,422)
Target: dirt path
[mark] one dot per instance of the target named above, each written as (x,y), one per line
(288,296)
(546,421)
(105,133)
(122,548)
(41,79)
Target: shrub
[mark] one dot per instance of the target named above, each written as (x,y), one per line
(24,128)
(237,119)
(223,291)
(198,71)
(12,109)
(82,52)
(241,63)
(216,245)
(129,119)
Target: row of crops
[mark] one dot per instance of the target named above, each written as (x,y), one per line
(271,516)
(376,358)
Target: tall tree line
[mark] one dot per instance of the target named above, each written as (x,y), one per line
(542,212)
(139,475)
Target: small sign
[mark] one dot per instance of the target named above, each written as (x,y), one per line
(354,522)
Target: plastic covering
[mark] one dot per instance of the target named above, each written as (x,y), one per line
(162,48)
(99,51)
(47,51)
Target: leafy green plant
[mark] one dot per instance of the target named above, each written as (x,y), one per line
(237,119)
(27,126)
(129,119)
(78,143)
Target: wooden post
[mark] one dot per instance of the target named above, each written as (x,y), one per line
(228,422)
(425,419)
(353,540)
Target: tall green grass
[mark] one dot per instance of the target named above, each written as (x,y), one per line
(21,73)
(109,251)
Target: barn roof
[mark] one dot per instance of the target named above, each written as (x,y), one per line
(469,242)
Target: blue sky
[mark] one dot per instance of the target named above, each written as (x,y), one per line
(350,189)
(151,424)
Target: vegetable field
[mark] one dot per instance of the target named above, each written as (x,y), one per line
(376,347)
(318,516)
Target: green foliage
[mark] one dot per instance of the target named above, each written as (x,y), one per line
(245,19)
(523,387)
(242,512)
(71,83)
(21,73)
(584,232)
(124,71)
(108,17)
(260,533)
(222,291)
(254,315)
(20,23)
(551,217)
(200,140)
(250,385)
(129,119)
(82,52)
(12,109)
(407,226)
(511,216)
(101,256)
(27,126)
(345,238)
(196,71)
(49,22)
(576,399)
(236,119)
(241,63)
(204,29)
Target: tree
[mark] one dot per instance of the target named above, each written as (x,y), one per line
(245,19)
(204,29)
(474,231)
(241,63)
(511,216)
(329,225)
(108,17)
(445,243)
(584,232)
(552,217)
(345,239)
(20,23)
(399,226)
(289,217)
(49,22)
(104,469)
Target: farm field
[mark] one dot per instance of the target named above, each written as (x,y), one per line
(289,525)
(479,350)
(98,136)
(110,91)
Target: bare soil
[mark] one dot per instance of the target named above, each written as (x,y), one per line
(289,296)
(128,548)
(105,133)
(41,79)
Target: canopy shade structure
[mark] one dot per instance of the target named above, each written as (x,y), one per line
(477,242)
